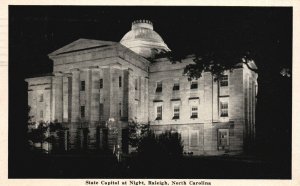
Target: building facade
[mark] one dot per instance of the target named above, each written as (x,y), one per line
(101,85)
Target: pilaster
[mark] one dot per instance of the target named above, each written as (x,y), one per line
(131,95)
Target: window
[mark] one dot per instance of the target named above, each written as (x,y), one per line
(176,111)
(120,81)
(101,83)
(224,81)
(136,84)
(224,108)
(159,113)
(194,112)
(176,85)
(194,139)
(223,139)
(82,86)
(120,109)
(41,114)
(194,85)
(82,111)
(41,97)
(159,86)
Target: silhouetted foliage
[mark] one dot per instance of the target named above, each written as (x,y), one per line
(55,126)
(136,132)
(166,144)
(29,117)
(215,61)
(38,134)
(158,154)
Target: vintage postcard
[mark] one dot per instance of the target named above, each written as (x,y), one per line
(148,93)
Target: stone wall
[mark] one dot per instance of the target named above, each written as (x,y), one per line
(207,97)
(40,107)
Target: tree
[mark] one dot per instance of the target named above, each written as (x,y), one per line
(136,132)
(29,117)
(38,135)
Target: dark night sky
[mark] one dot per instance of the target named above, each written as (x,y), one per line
(35,31)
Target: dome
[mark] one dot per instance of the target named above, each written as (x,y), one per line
(143,40)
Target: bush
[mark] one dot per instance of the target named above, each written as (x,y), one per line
(166,144)
(137,132)
(158,155)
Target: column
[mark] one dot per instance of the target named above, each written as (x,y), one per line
(95,94)
(106,92)
(146,100)
(75,114)
(88,88)
(58,97)
(125,94)
(66,94)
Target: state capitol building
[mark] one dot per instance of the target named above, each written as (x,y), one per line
(103,85)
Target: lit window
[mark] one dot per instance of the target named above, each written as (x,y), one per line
(176,85)
(101,83)
(41,114)
(194,85)
(82,111)
(176,112)
(194,112)
(41,97)
(82,86)
(224,108)
(120,81)
(159,113)
(159,86)
(224,81)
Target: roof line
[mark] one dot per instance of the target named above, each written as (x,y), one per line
(71,51)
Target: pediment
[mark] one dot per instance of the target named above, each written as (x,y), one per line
(82,44)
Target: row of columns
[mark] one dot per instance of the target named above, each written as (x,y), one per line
(67,98)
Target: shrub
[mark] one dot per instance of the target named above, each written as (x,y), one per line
(159,155)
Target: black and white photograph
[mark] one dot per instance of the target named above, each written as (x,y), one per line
(150,92)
